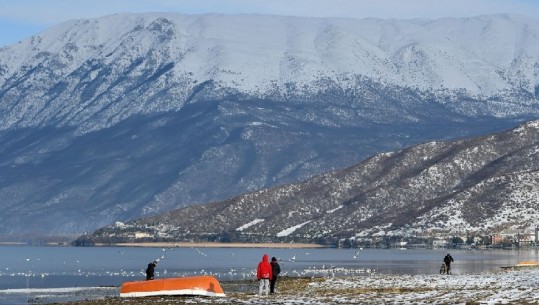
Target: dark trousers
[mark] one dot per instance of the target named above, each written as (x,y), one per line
(272,284)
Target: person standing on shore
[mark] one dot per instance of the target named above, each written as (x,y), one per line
(150,271)
(264,275)
(448,259)
(275,270)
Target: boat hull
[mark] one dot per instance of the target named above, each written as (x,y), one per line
(196,285)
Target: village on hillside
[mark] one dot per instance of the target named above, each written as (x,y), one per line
(455,239)
(506,239)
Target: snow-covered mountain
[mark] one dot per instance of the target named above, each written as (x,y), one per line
(480,186)
(134,114)
(92,74)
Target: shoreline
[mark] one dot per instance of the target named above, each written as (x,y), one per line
(377,289)
(213,245)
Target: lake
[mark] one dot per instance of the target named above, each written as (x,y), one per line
(30,272)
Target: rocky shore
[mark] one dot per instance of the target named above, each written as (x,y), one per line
(503,287)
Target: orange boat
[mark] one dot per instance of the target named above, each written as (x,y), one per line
(195,285)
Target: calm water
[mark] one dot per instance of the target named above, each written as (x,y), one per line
(28,272)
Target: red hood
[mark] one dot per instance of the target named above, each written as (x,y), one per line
(265,258)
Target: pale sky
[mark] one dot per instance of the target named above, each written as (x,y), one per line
(20,19)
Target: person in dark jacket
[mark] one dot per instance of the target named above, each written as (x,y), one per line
(264,275)
(275,270)
(448,259)
(150,271)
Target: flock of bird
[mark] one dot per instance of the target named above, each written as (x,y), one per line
(231,274)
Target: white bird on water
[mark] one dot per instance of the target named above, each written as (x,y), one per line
(200,252)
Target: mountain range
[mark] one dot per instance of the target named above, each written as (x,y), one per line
(477,187)
(131,115)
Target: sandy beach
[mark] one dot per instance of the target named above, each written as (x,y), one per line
(216,245)
(501,287)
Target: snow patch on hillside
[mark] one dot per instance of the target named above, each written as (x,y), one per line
(335,209)
(247,225)
(290,230)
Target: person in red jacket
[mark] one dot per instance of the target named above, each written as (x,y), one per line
(264,275)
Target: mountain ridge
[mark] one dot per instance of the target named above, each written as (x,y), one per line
(426,57)
(114,118)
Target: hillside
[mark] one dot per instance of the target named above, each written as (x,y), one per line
(480,186)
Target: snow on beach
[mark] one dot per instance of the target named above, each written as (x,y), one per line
(484,288)
(502,287)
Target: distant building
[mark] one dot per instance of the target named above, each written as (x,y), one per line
(440,243)
(139,235)
(521,237)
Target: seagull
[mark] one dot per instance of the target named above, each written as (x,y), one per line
(292,259)
(201,253)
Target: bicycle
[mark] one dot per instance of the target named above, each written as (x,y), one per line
(444,269)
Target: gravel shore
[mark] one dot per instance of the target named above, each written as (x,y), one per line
(503,287)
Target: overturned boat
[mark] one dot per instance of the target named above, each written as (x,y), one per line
(195,285)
